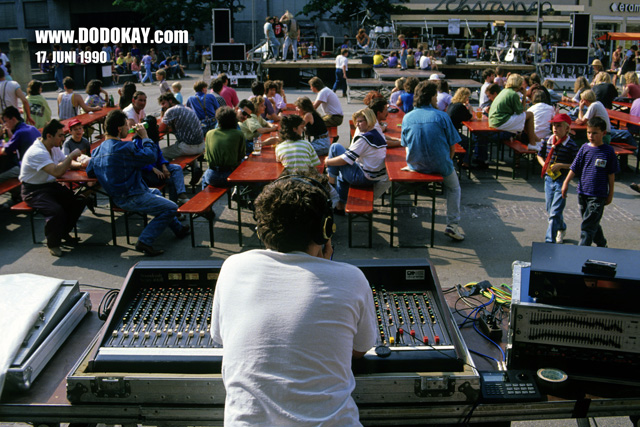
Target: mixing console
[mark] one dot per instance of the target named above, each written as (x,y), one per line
(161,320)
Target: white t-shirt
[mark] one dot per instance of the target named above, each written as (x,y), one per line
(542,114)
(288,324)
(37,157)
(425,62)
(8,97)
(341,61)
(369,156)
(483,99)
(444,99)
(131,114)
(596,109)
(330,102)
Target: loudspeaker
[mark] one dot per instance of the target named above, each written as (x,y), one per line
(581,29)
(367,59)
(228,52)
(572,55)
(221,26)
(326,44)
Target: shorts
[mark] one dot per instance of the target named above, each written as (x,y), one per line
(515,124)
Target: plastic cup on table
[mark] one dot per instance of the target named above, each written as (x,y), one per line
(479,114)
(257,146)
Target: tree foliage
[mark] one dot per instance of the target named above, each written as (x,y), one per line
(349,11)
(188,15)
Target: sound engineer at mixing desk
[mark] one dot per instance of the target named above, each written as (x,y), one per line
(290,319)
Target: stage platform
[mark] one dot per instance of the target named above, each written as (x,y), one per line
(325,69)
(358,88)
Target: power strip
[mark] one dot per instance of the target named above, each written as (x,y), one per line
(489,326)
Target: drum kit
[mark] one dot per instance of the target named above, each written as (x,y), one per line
(383,37)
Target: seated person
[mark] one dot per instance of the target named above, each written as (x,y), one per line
(596,109)
(38,105)
(507,110)
(270,91)
(135,111)
(631,89)
(293,152)
(554,96)
(295,224)
(116,163)
(68,101)
(315,129)
(94,90)
(459,111)
(397,91)
(162,172)
(405,101)
(258,89)
(604,90)
(224,148)
(444,97)
(255,125)
(76,141)
(379,106)
(363,163)
(362,40)
(378,60)
(392,60)
(42,164)
(204,105)
(542,115)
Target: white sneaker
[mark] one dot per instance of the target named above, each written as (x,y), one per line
(452,231)
(560,236)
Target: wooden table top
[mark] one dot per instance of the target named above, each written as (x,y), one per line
(89,118)
(396,160)
(76,175)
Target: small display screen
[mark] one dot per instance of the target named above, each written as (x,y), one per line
(174,276)
(192,276)
(493,377)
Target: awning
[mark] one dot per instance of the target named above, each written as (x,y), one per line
(620,36)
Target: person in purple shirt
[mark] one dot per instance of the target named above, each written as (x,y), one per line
(595,166)
(147,60)
(21,135)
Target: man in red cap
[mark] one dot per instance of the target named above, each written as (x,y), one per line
(76,139)
(555,157)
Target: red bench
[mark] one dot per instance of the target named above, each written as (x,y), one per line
(519,150)
(360,205)
(24,208)
(8,185)
(201,205)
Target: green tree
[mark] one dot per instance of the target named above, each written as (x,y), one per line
(187,15)
(346,11)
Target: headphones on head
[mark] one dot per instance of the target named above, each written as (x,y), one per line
(328,227)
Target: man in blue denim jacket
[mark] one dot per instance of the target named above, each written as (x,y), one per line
(117,165)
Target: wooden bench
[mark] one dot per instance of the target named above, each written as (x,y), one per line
(187,164)
(9,185)
(24,208)
(360,205)
(623,149)
(201,205)
(519,150)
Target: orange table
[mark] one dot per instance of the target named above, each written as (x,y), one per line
(88,119)
(261,169)
(404,181)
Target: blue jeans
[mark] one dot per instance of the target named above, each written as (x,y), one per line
(152,203)
(591,209)
(341,82)
(59,75)
(147,75)
(555,207)
(345,175)
(275,46)
(290,42)
(403,59)
(321,145)
(453,194)
(175,182)
(623,135)
(215,178)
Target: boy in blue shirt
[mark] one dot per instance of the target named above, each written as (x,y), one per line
(595,166)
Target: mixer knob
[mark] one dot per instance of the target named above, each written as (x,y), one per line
(170,332)
(135,335)
(114,333)
(201,334)
(179,334)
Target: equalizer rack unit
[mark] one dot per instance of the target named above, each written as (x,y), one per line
(156,344)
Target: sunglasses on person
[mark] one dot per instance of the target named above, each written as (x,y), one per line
(244,113)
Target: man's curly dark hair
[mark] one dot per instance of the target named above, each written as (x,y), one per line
(288,124)
(424,93)
(289,212)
